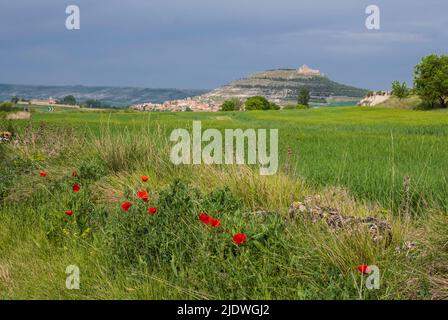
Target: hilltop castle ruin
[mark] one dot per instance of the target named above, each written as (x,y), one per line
(306,71)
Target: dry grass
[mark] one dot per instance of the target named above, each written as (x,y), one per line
(21,115)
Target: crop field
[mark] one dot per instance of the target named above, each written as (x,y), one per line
(391,164)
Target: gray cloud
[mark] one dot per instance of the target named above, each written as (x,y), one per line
(204,43)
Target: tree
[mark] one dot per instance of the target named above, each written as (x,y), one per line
(228,105)
(257,103)
(69,100)
(431,79)
(400,90)
(14,100)
(304,96)
(93,103)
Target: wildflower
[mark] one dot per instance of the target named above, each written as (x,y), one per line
(214,222)
(125,206)
(69,212)
(145,200)
(142,194)
(76,188)
(152,210)
(43,174)
(144,178)
(239,239)
(205,218)
(364,269)
(74,173)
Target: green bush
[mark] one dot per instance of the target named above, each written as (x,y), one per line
(228,105)
(273,106)
(6,106)
(68,100)
(175,231)
(400,90)
(91,169)
(260,103)
(136,237)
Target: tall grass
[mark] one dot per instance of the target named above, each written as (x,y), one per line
(171,254)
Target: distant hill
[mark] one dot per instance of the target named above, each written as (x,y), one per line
(115,96)
(282,85)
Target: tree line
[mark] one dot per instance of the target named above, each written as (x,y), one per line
(430,82)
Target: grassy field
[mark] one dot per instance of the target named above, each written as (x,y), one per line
(355,159)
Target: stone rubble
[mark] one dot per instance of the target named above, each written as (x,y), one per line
(379,229)
(5,136)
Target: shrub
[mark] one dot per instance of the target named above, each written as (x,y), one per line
(260,103)
(400,90)
(91,169)
(431,80)
(174,232)
(6,106)
(228,105)
(273,106)
(257,103)
(68,100)
(136,237)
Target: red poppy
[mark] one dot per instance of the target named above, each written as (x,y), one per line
(76,188)
(152,210)
(69,212)
(364,269)
(144,178)
(205,218)
(214,222)
(142,194)
(125,206)
(74,173)
(239,238)
(43,174)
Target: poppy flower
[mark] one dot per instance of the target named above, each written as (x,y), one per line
(125,206)
(214,222)
(152,210)
(142,194)
(43,174)
(76,188)
(364,269)
(144,178)
(205,218)
(74,173)
(239,238)
(69,212)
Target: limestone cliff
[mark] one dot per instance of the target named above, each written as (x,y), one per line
(282,86)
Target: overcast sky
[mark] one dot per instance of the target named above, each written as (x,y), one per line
(206,43)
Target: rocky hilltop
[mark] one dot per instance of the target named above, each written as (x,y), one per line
(282,86)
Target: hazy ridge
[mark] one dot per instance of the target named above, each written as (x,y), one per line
(115,96)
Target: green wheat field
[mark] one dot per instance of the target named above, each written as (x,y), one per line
(355,159)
